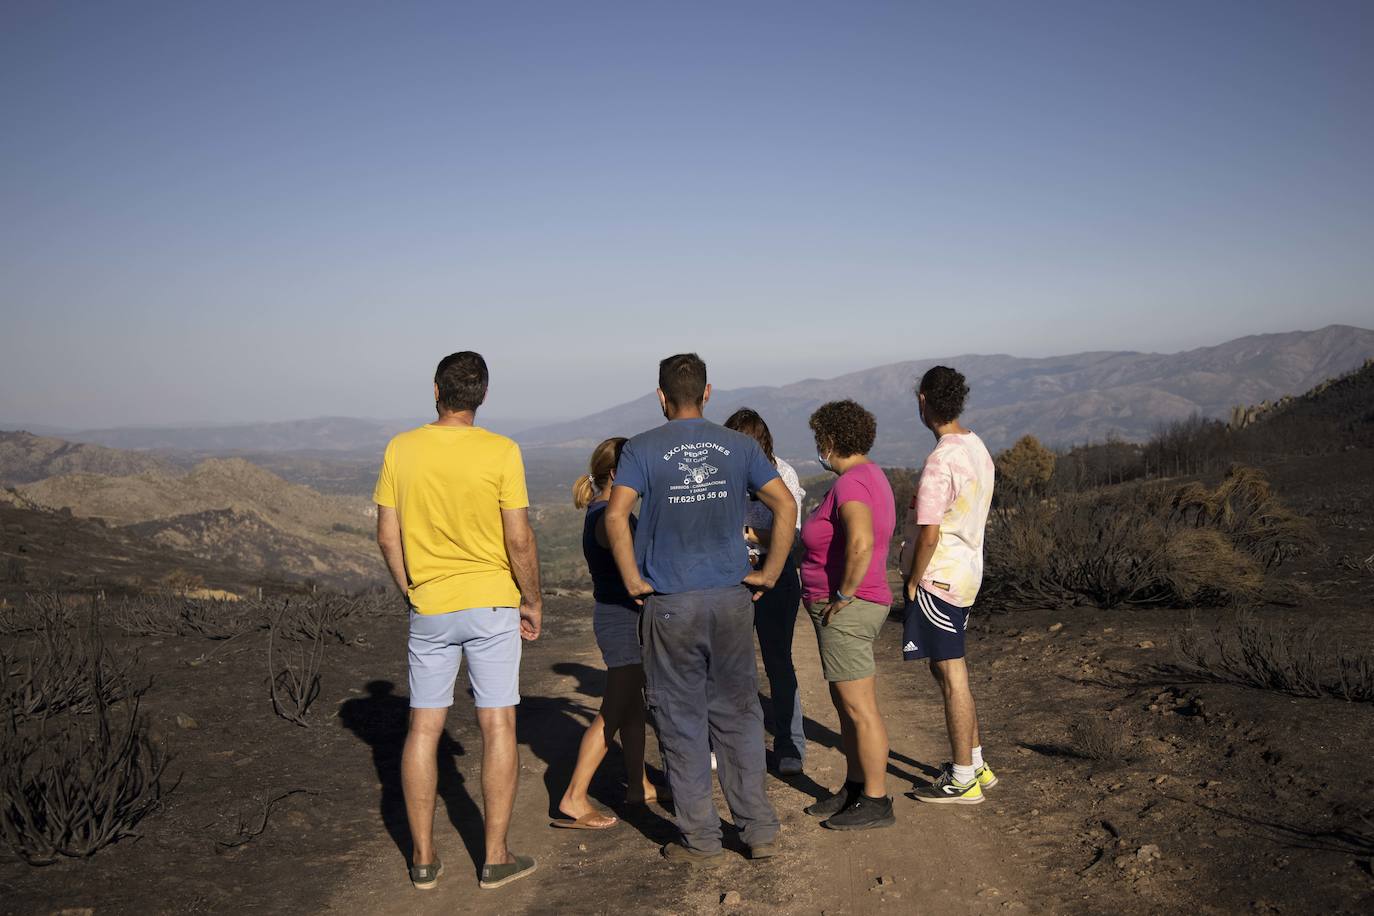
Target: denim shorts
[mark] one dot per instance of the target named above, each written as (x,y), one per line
(490,639)
(617,634)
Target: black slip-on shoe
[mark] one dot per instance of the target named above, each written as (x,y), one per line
(864,814)
(499,875)
(424,877)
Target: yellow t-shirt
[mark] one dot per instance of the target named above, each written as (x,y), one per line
(448,485)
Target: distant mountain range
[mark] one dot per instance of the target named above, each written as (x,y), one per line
(319,435)
(327,434)
(25,458)
(1062,400)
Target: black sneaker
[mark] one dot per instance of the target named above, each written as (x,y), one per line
(828,807)
(863,814)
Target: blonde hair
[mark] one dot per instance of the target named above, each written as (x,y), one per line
(604,459)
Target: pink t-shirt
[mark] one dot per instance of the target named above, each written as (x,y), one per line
(956,493)
(822,569)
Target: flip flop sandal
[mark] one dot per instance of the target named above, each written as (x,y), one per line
(585,822)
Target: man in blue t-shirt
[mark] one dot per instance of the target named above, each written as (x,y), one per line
(688,565)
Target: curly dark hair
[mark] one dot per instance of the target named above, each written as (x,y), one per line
(845,426)
(945,390)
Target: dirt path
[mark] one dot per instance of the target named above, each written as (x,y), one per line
(936,860)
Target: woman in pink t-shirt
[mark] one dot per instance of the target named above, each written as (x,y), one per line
(845,590)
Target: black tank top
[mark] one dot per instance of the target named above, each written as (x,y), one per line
(607,586)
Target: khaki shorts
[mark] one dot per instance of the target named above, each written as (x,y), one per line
(846,644)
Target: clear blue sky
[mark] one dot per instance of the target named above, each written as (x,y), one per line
(230,211)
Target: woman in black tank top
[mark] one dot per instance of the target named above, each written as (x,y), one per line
(616,624)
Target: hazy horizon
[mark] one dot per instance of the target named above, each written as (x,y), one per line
(512,424)
(262,212)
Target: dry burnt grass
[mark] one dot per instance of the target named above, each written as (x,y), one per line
(1215,759)
(154,738)
(272,783)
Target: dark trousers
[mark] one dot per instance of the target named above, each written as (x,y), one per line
(702,688)
(775,617)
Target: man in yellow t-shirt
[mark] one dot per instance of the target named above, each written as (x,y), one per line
(453,526)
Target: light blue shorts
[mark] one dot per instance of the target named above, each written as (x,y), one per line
(488,636)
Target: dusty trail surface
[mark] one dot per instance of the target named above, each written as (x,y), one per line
(919,866)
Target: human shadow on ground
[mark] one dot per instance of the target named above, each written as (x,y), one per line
(826,737)
(380,720)
(552,728)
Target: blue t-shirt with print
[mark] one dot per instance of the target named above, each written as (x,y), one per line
(694,478)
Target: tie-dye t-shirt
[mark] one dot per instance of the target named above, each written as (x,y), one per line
(955,493)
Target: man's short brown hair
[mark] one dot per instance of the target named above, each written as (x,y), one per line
(462,381)
(682,379)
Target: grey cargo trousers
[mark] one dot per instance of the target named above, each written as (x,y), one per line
(700,680)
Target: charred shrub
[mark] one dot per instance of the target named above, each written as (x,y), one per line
(64,668)
(323,616)
(77,769)
(1098,740)
(217,619)
(36,612)
(69,787)
(294,676)
(1299,661)
(156,616)
(1245,510)
(1143,545)
(165,615)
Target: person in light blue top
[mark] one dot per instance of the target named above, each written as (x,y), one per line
(688,564)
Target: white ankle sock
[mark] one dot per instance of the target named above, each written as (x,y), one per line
(963,774)
(978,756)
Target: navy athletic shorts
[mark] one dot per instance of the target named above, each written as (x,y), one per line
(933,629)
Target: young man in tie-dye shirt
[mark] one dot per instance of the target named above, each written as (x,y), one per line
(942,561)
